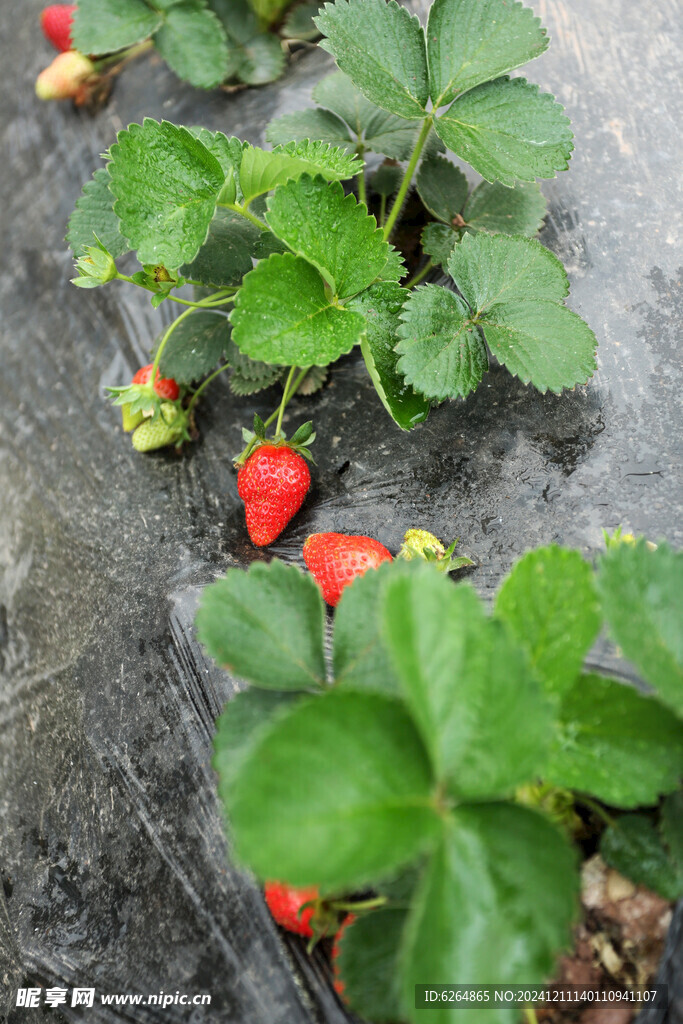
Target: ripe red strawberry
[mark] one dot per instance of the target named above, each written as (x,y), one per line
(165,387)
(56,22)
(335,559)
(285,902)
(272,483)
(339,983)
(64,78)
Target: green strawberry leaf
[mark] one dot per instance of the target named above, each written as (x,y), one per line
(642,601)
(154,168)
(442,354)
(195,346)
(330,230)
(243,718)
(510,211)
(438,241)
(262,170)
(269,11)
(551,608)
(258,60)
(310,124)
(266,626)
(367,964)
(359,655)
(339,812)
(616,744)
(470,42)
(104,26)
(242,385)
(500,872)
(633,847)
(94,216)
(671,827)
(442,187)
(541,343)
(381,305)
(226,255)
(238,18)
(381,47)
(467,684)
(282,315)
(299,24)
(493,270)
(193,43)
(508,131)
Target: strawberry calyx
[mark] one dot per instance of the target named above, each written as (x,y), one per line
(299,442)
(423,544)
(141,396)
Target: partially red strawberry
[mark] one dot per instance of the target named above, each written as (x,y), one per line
(57,22)
(272,483)
(339,983)
(165,387)
(65,77)
(335,559)
(285,903)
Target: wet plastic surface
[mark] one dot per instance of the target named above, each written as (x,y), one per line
(112,854)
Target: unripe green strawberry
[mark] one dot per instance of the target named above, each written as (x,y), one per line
(166,429)
(63,79)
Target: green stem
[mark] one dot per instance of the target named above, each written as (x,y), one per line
(361,905)
(284,401)
(206,303)
(287,395)
(382,210)
(246,212)
(362,194)
(407,177)
(125,56)
(204,384)
(595,808)
(162,344)
(420,275)
(530,1015)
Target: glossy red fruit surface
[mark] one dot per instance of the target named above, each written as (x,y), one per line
(165,387)
(335,559)
(56,22)
(272,483)
(285,902)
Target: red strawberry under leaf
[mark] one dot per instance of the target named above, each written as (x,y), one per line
(56,22)
(285,903)
(335,559)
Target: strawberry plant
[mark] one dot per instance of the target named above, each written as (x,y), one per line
(205,42)
(291,270)
(424,775)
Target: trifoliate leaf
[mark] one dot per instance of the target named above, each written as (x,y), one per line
(282,315)
(367,964)
(104,26)
(501,872)
(508,131)
(551,607)
(492,270)
(226,255)
(299,23)
(258,60)
(438,241)
(381,47)
(94,215)
(262,170)
(193,43)
(266,625)
(616,744)
(381,305)
(244,717)
(442,354)
(510,211)
(442,187)
(339,812)
(467,684)
(470,42)
(310,124)
(195,346)
(633,847)
(154,169)
(542,343)
(642,599)
(330,230)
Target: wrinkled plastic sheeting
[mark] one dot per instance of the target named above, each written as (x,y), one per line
(115,869)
